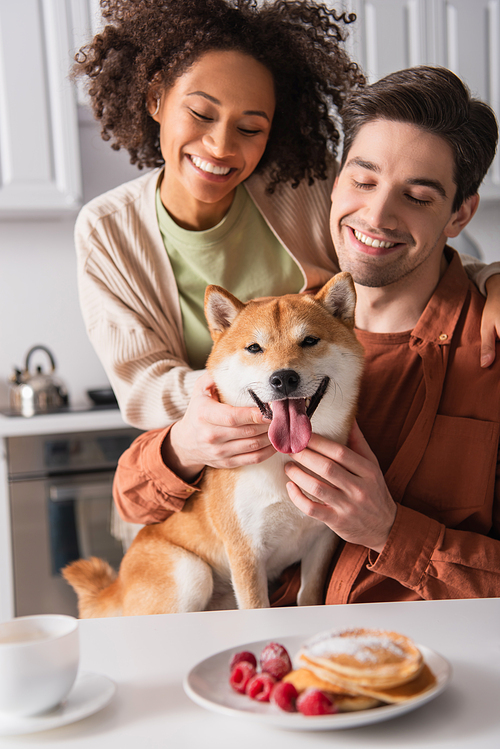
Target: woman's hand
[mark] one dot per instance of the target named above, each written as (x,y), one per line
(348,487)
(490,321)
(215,434)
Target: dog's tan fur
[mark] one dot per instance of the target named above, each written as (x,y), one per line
(242,530)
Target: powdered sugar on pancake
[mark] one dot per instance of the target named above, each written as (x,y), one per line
(365,648)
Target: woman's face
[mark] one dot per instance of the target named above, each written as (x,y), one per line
(214,121)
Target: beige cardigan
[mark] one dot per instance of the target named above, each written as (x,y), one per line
(128,292)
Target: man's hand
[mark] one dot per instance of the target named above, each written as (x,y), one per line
(351,495)
(215,434)
(490,321)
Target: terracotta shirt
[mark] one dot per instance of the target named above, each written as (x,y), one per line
(432,417)
(439,452)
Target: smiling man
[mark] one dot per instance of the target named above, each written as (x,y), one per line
(416,495)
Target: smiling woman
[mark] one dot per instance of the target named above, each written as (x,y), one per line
(230,101)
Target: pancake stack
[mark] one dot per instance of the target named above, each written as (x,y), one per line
(362,668)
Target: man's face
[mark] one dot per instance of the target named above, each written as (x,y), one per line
(392,203)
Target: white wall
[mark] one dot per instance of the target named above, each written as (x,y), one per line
(485,229)
(38,293)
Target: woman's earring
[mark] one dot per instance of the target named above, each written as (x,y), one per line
(158,99)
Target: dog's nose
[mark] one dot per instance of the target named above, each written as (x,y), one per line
(285,381)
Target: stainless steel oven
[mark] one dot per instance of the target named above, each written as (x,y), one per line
(60,489)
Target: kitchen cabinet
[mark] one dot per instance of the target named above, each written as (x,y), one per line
(40,174)
(461,35)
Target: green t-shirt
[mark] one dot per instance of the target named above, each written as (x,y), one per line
(241,254)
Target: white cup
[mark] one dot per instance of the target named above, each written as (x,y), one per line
(38,662)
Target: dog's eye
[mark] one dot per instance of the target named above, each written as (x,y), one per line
(309,340)
(254,348)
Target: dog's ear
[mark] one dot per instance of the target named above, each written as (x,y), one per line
(338,295)
(221,308)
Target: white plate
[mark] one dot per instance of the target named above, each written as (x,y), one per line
(207,684)
(90,693)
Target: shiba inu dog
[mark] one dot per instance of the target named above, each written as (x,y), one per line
(298,359)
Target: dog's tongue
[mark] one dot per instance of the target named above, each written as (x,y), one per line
(290,429)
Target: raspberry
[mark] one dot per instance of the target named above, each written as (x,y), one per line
(244,655)
(275,650)
(315,702)
(260,687)
(277,667)
(284,695)
(241,675)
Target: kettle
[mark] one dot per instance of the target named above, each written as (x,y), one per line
(36,393)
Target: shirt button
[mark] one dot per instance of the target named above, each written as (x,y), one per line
(443,337)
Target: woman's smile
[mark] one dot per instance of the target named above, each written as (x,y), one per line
(209,168)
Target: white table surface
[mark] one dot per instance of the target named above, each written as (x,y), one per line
(148,658)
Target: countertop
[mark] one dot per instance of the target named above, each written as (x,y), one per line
(66,421)
(148,658)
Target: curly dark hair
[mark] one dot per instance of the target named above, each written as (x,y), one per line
(299,41)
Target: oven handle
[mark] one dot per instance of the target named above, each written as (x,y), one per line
(77,491)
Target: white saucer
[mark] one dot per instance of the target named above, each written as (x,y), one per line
(90,693)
